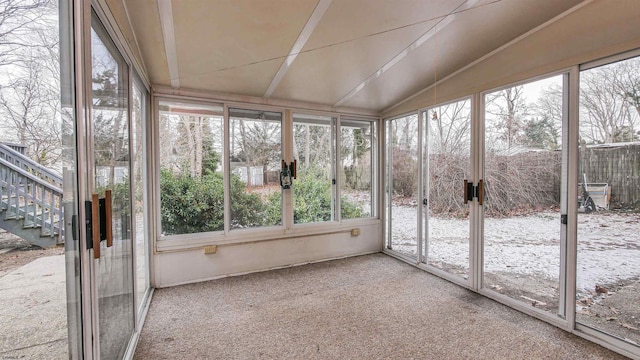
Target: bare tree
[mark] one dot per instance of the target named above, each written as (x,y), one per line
(314,140)
(629,82)
(404,152)
(256,142)
(510,108)
(448,156)
(30,77)
(22,22)
(30,107)
(609,103)
(450,128)
(192,127)
(543,129)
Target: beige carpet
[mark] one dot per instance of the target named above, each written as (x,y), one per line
(367,307)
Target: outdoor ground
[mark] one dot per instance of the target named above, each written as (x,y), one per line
(15,252)
(32,301)
(522,261)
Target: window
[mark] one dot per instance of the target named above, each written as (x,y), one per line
(255,140)
(222,174)
(191,168)
(314,150)
(358,155)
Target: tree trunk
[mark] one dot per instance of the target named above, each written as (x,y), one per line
(307,146)
(198,146)
(191,147)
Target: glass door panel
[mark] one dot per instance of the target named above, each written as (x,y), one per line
(314,188)
(111,175)
(138,180)
(255,158)
(608,259)
(402,185)
(358,148)
(522,189)
(446,164)
(69,164)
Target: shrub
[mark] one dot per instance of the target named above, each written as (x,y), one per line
(405,172)
(350,210)
(192,205)
(247,209)
(312,200)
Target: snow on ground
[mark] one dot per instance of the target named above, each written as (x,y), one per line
(608,244)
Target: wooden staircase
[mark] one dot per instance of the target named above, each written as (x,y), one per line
(30,199)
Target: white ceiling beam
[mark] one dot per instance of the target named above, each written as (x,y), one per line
(168,33)
(409,49)
(305,34)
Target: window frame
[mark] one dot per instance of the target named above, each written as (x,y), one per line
(333,125)
(193,241)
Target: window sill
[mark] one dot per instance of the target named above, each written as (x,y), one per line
(188,242)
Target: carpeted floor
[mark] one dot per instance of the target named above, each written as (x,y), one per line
(367,307)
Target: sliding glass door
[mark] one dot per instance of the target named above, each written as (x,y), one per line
(446,165)
(110,186)
(524,231)
(608,255)
(483,201)
(402,155)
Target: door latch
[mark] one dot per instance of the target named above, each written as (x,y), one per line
(473,191)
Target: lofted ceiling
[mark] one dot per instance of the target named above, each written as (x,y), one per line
(366,54)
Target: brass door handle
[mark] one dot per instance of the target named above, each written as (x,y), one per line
(95,225)
(108,217)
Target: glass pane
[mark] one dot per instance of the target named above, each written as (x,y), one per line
(608,273)
(69,164)
(139,179)
(522,173)
(191,168)
(445,167)
(39,316)
(313,148)
(110,124)
(402,152)
(255,162)
(357,154)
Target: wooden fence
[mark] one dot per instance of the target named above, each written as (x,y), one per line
(618,166)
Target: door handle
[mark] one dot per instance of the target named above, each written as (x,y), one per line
(98,212)
(466,191)
(108,217)
(95,225)
(471,191)
(295,168)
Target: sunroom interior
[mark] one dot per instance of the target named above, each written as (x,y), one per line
(492,143)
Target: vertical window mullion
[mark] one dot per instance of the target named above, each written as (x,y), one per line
(287,155)
(334,168)
(226,169)
(339,167)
